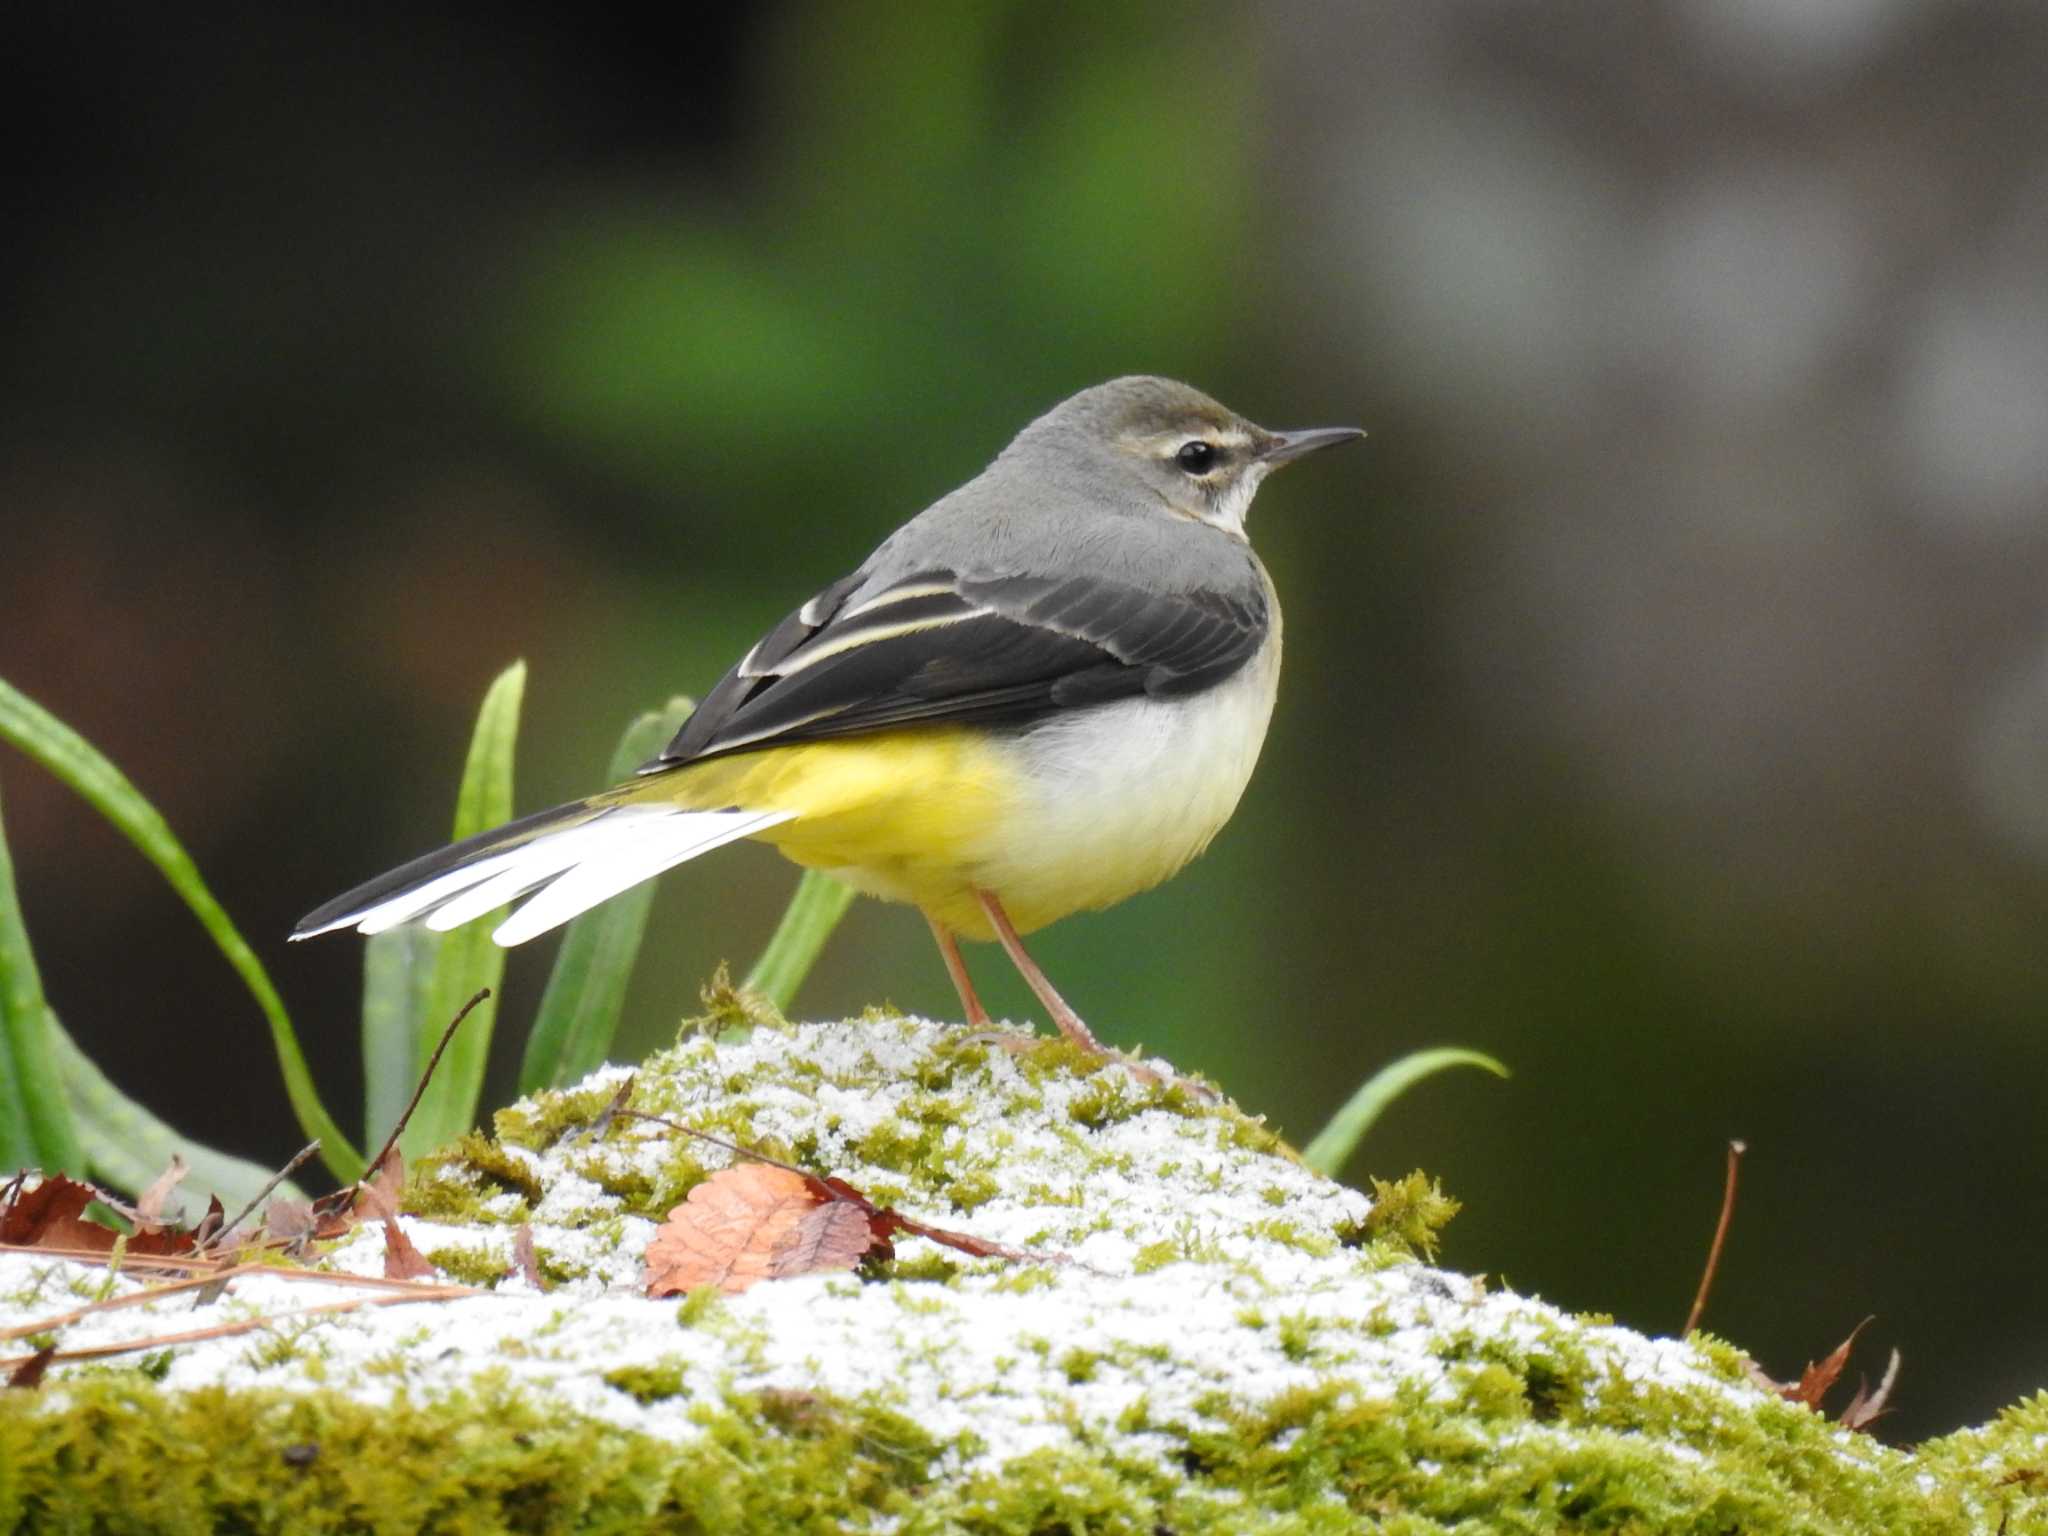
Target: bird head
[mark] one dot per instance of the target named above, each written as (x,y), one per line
(1198,458)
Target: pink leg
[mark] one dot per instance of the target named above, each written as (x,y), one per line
(1063,1015)
(949,948)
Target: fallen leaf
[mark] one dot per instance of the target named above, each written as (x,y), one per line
(1864,1411)
(1820,1376)
(30,1372)
(288,1221)
(297,1224)
(525,1262)
(378,1197)
(149,1208)
(757,1222)
(200,1236)
(383,1184)
(51,1215)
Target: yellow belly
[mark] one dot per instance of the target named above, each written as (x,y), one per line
(1080,813)
(900,815)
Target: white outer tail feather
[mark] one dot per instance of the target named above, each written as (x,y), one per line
(569,871)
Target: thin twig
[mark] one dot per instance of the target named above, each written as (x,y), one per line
(243,1325)
(155,1293)
(1699,1301)
(420,1087)
(263,1194)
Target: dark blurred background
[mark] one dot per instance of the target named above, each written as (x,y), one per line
(1667,696)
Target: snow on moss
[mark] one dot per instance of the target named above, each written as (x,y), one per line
(1224,1338)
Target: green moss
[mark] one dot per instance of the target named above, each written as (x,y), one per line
(1020,1279)
(1105,1103)
(555,1270)
(441,1187)
(1297,1337)
(730,1012)
(894,1145)
(1055,1057)
(1155,1256)
(1240,1130)
(538,1123)
(1293,1235)
(649,1383)
(478,1154)
(972,1190)
(699,1307)
(928,1268)
(643,1194)
(1080,1365)
(112,1451)
(471,1266)
(1407,1217)
(123,1456)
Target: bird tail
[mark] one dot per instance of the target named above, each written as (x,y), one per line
(566,860)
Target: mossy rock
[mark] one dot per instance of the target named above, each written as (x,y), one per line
(1224,1342)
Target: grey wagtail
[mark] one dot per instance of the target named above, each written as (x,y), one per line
(1043,693)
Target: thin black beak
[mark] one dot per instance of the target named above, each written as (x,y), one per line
(1292,445)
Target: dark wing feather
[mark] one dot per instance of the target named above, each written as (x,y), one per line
(937,647)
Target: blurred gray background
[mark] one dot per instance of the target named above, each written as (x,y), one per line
(1666,706)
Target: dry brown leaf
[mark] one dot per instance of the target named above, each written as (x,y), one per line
(1820,1376)
(31,1371)
(52,1216)
(402,1261)
(525,1262)
(1863,1411)
(297,1224)
(757,1222)
(288,1221)
(149,1208)
(377,1197)
(380,1189)
(201,1236)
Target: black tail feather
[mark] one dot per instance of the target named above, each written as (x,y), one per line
(439,862)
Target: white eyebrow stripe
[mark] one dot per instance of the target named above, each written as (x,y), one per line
(901,594)
(839,644)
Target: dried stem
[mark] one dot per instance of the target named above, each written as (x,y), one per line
(426,1077)
(263,1194)
(1699,1301)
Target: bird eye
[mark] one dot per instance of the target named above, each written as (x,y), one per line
(1196,457)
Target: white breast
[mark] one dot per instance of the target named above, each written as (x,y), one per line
(1122,795)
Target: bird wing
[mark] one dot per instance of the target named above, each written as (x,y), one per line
(941,646)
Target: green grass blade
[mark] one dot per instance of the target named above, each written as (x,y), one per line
(126,1146)
(813,913)
(36,1129)
(398,984)
(465,959)
(1335,1143)
(73,760)
(579,1012)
